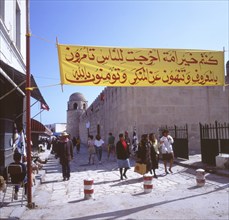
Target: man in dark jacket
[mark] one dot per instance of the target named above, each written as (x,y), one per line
(65,153)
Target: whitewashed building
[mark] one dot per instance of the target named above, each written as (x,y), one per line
(12,33)
(57,127)
(12,74)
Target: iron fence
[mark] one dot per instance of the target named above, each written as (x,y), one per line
(180,136)
(214,139)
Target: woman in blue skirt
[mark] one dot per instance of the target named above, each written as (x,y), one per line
(123,154)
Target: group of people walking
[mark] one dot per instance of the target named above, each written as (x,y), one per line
(95,147)
(146,151)
(149,149)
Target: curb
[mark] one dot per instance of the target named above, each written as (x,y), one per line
(212,170)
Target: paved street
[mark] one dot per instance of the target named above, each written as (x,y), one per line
(174,196)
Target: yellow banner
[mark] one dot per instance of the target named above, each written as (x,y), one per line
(108,66)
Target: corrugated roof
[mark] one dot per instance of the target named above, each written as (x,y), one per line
(19,77)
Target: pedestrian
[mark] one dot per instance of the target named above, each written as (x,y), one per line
(55,146)
(65,153)
(17,178)
(91,149)
(166,142)
(74,142)
(48,144)
(52,143)
(134,143)
(123,155)
(98,147)
(144,153)
(154,152)
(78,145)
(127,139)
(111,146)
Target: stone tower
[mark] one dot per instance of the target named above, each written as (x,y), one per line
(77,105)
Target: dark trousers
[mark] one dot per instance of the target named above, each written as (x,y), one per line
(99,152)
(66,169)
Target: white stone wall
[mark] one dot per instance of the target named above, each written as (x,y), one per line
(9,53)
(72,123)
(60,127)
(73,117)
(148,108)
(57,127)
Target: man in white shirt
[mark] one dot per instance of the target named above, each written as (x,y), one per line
(98,147)
(166,142)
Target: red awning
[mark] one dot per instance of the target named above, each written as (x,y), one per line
(39,128)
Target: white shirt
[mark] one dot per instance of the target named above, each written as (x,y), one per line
(98,143)
(166,146)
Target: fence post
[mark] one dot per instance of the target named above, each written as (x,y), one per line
(217,136)
(200,131)
(201,142)
(187,131)
(175,127)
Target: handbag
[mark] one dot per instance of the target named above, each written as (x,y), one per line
(140,168)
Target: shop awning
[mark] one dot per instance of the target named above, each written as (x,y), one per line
(39,128)
(18,78)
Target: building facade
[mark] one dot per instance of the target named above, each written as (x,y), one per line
(12,75)
(13,54)
(146,109)
(12,33)
(57,127)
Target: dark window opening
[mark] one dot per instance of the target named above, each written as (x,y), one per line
(98,129)
(75,106)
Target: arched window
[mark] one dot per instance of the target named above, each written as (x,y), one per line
(84,106)
(75,106)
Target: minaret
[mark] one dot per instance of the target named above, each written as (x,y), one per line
(77,104)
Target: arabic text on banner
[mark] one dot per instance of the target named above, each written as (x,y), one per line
(103,66)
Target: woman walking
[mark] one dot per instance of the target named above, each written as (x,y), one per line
(123,153)
(154,152)
(144,153)
(91,149)
(78,145)
(166,142)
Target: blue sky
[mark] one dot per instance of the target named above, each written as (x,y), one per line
(143,24)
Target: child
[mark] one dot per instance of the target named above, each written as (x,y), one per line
(21,177)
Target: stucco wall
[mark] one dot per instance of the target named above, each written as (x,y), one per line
(149,108)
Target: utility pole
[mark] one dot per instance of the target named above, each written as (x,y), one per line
(28,117)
